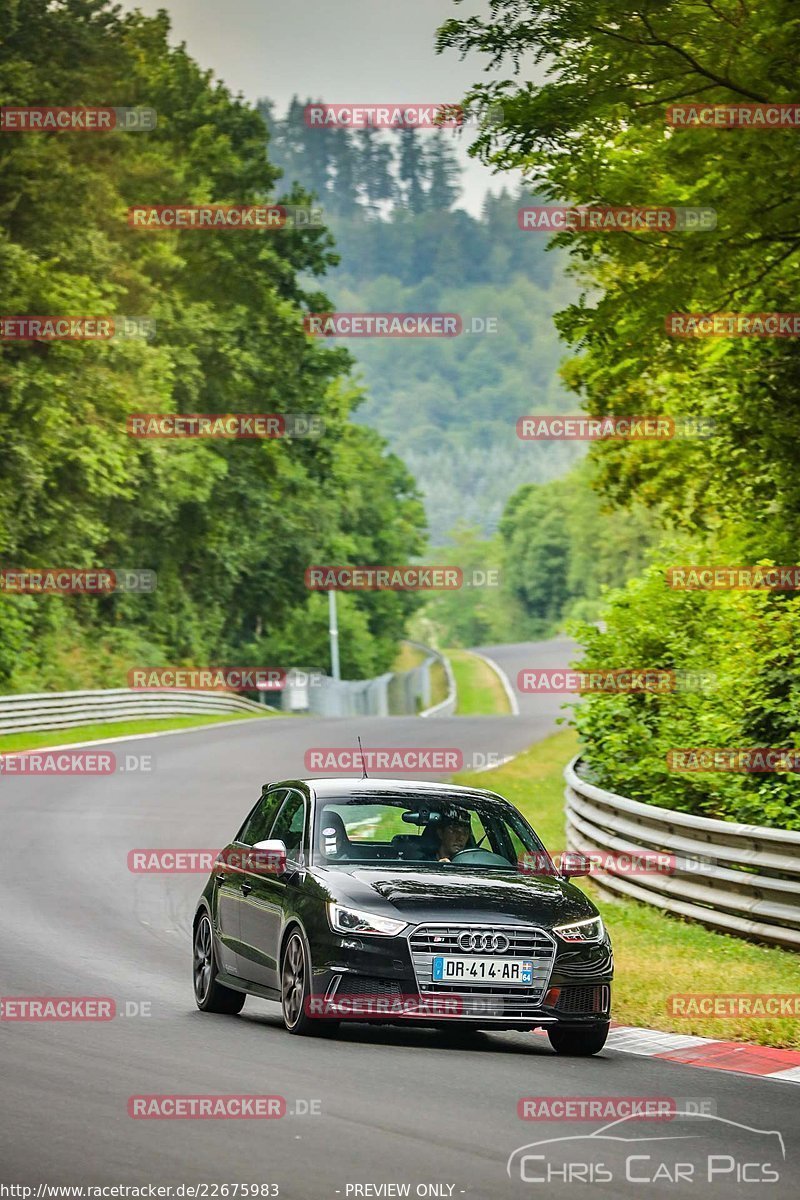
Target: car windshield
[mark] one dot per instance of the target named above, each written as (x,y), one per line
(438,831)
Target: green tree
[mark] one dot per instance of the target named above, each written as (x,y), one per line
(592,129)
(228,526)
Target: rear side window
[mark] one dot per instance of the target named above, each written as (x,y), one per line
(257,826)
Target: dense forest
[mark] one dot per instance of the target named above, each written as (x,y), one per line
(450,408)
(447,407)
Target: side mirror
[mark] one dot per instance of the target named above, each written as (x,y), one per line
(574,864)
(265,858)
(268,858)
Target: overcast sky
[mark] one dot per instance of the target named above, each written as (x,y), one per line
(347,51)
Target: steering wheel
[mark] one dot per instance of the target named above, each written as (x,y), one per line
(483,858)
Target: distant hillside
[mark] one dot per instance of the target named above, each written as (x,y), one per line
(447,406)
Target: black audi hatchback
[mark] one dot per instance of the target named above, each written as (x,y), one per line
(385,900)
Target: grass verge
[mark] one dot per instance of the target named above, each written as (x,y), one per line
(438,683)
(408,657)
(657,955)
(480,692)
(91,733)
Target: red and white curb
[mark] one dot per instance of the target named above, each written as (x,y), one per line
(767,1061)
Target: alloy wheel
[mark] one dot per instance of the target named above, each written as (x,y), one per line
(202,959)
(293,979)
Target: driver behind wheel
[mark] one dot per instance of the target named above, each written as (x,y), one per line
(454,834)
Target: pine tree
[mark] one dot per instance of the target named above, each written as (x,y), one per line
(343,193)
(317,154)
(444,171)
(375,161)
(412,170)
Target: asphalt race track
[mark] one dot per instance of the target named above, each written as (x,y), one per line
(389,1106)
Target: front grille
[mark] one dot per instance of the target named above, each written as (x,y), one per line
(576,1000)
(485,999)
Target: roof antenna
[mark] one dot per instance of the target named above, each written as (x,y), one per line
(364,774)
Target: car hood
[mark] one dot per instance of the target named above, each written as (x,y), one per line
(454,895)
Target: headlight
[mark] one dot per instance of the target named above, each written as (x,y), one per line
(591,930)
(352,920)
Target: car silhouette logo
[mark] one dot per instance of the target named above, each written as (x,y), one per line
(627,1134)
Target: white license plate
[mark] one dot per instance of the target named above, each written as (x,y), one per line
(455,968)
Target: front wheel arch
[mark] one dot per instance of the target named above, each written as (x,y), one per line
(290,927)
(306,1026)
(202,911)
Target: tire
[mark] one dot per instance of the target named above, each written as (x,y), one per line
(209,995)
(579,1043)
(296,990)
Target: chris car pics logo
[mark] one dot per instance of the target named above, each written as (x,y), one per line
(696,1149)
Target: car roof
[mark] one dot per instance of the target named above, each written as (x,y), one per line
(337,786)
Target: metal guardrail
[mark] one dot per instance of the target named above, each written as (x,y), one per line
(350,697)
(446,707)
(395,694)
(743,879)
(59,710)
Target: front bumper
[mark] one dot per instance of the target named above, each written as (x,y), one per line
(382,979)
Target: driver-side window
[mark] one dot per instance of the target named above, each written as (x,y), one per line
(259,823)
(289,825)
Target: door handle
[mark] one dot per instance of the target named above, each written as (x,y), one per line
(246,888)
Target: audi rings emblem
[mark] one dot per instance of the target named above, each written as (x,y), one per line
(478,939)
